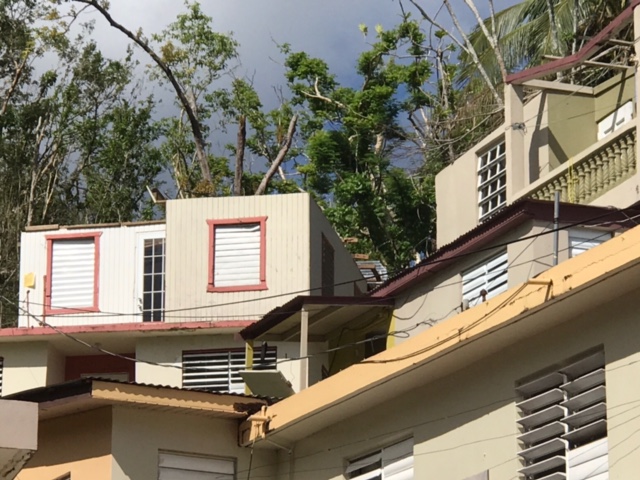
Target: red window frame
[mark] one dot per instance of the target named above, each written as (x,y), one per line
(212,224)
(48,309)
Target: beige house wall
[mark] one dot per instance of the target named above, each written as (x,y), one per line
(79,444)
(470,415)
(558,127)
(439,297)
(347,275)
(138,435)
(120,260)
(25,366)
(187,270)
(168,350)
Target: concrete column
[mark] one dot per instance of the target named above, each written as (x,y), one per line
(517,158)
(248,361)
(304,348)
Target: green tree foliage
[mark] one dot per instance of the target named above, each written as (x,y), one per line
(353,136)
(76,141)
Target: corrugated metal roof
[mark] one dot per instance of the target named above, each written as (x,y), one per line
(83,385)
(498,224)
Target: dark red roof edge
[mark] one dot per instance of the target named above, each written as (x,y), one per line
(582,55)
(505,220)
(281,313)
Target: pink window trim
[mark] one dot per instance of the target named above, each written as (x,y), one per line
(48,309)
(263,254)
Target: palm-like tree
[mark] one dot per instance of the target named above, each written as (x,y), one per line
(529,30)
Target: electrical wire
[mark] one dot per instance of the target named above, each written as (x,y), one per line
(426,262)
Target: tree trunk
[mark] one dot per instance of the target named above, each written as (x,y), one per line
(201,153)
(240,145)
(280,158)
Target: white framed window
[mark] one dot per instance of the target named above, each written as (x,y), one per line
(492,180)
(486,280)
(219,370)
(151,275)
(581,240)
(73,273)
(615,120)
(237,255)
(184,466)
(394,462)
(562,423)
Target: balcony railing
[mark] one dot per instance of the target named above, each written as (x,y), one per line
(599,169)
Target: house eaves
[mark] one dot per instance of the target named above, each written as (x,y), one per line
(563,292)
(90,393)
(582,55)
(510,217)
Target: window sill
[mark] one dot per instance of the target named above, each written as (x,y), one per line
(67,311)
(237,288)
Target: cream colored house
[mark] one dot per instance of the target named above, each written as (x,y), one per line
(578,139)
(168,297)
(105,430)
(535,383)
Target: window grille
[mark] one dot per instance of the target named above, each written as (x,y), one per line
(563,426)
(218,370)
(153,280)
(492,180)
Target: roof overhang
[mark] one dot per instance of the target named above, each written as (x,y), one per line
(89,394)
(582,55)
(326,314)
(556,296)
(121,337)
(490,231)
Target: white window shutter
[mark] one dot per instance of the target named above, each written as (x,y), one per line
(173,466)
(581,240)
(616,120)
(237,255)
(73,273)
(491,276)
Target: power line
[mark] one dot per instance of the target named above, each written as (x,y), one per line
(423,263)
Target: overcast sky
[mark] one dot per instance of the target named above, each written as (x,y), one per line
(327,29)
(323,28)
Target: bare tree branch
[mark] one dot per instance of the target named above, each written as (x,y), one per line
(198,137)
(240,146)
(491,37)
(280,158)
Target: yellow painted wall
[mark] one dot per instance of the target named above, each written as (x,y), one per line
(464,424)
(79,444)
(138,436)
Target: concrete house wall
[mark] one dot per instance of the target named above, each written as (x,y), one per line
(464,424)
(560,126)
(294,225)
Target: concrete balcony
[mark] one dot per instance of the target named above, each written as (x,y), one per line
(592,173)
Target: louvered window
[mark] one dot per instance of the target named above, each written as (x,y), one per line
(72,274)
(237,256)
(582,240)
(175,466)
(562,423)
(486,280)
(492,180)
(218,370)
(391,463)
